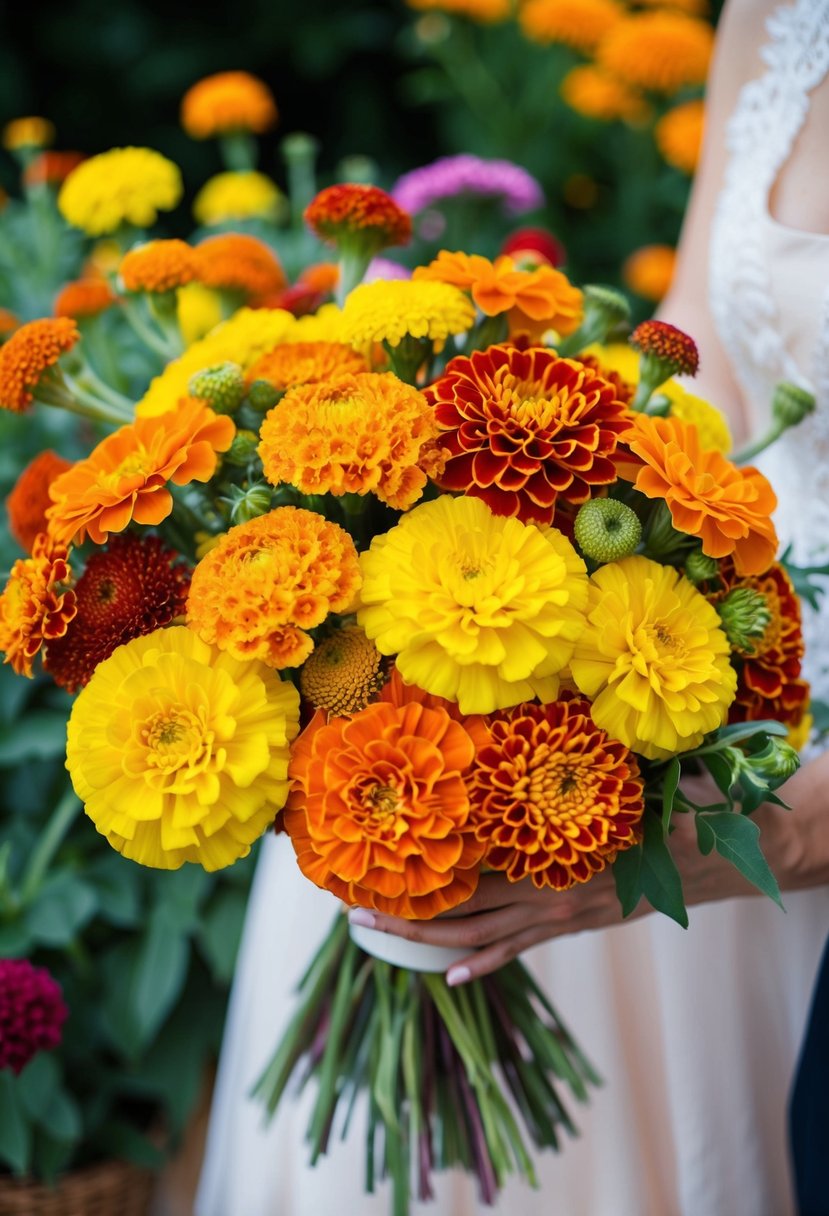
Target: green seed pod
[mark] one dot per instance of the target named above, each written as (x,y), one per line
(262,396)
(607,530)
(790,403)
(745,616)
(243,448)
(699,568)
(776,762)
(221,386)
(249,504)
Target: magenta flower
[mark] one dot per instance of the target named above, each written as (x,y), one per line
(32,1012)
(467,174)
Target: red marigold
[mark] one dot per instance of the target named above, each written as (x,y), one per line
(364,213)
(134,586)
(234,261)
(28,355)
(379,809)
(675,350)
(554,798)
(83,298)
(51,168)
(534,243)
(37,604)
(525,427)
(625,391)
(27,504)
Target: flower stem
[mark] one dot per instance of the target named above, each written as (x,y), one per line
(48,844)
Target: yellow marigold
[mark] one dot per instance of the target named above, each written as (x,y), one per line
(83,298)
(327,324)
(679,135)
(27,357)
(227,102)
(359,434)
(591,91)
(653,659)
(344,673)
(580,24)
(306,363)
(237,196)
(199,310)
(158,266)
(180,752)
(122,186)
(485,11)
(28,133)
(37,603)
(542,294)
(242,339)
(662,51)
(649,271)
(389,310)
(125,477)
(234,261)
(268,581)
(478,608)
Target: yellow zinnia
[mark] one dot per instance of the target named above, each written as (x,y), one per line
(122,186)
(390,310)
(237,196)
(478,608)
(180,752)
(653,659)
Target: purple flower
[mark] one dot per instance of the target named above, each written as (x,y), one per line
(32,1012)
(385,268)
(466,174)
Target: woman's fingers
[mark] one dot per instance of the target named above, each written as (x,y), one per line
(460,933)
(497,955)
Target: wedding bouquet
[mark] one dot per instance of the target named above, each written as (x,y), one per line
(424,580)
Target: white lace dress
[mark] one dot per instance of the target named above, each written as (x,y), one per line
(696,1033)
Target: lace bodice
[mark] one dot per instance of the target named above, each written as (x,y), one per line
(753,262)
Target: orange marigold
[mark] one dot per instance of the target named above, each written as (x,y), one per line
(591,91)
(83,298)
(227,102)
(344,672)
(158,266)
(727,507)
(662,51)
(679,135)
(125,477)
(322,277)
(484,11)
(359,434)
(27,503)
(541,295)
(51,168)
(648,271)
(8,323)
(268,581)
(27,357)
(769,682)
(580,24)
(379,809)
(306,363)
(524,427)
(362,213)
(554,798)
(235,261)
(37,603)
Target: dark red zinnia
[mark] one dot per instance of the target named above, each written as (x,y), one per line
(132,587)
(524,428)
(32,1012)
(671,346)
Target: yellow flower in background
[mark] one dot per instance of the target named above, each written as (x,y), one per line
(679,135)
(227,102)
(237,196)
(478,608)
(596,94)
(327,324)
(242,339)
(199,311)
(28,133)
(122,186)
(649,271)
(580,24)
(653,659)
(390,310)
(180,752)
(661,51)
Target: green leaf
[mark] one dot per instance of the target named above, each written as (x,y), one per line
(722,770)
(116,882)
(661,883)
(61,1119)
(181,894)
(38,1083)
(121,1139)
(221,931)
(50,1157)
(38,735)
(737,839)
(159,973)
(672,775)
(60,909)
(15,1132)
(15,939)
(627,874)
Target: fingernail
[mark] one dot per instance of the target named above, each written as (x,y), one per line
(458,975)
(362,917)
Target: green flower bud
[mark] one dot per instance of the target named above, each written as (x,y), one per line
(243,448)
(745,616)
(607,530)
(605,304)
(262,396)
(699,568)
(776,763)
(248,504)
(221,386)
(790,404)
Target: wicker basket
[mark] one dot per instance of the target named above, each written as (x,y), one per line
(113,1188)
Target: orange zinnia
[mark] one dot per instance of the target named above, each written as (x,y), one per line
(37,604)
(28,356)
(234,261)
(524,428)
(379,809)
(727,507)
(227,102)
(353,212)
(158,266)
(306,363)
(125,477)
(554,798)
(541,295)
(83,298)
(27,504)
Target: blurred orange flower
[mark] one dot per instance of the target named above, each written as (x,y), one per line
(26,505)
(227,102)
(37,603)
(28,355)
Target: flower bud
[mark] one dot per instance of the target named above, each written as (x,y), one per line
(699,568)
(791,403)
(243,448)
(262,396)
(607,530)
(776,763)
(745,616)
(221,386)
(606,305)
(249,504)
